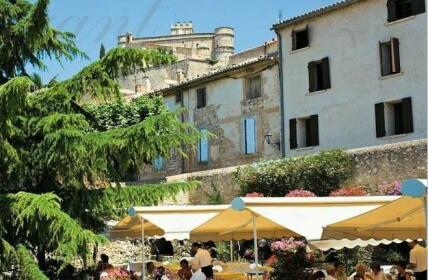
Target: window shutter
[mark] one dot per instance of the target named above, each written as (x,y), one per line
(392,10)
(418,7)
(381,59)
(312,76)
(407,115)
(307,35)
(203,146)
(314,131)
(380,120)
(293,40)
(395,56)
(250,136)
(159,163)
(326,73)
(293,133)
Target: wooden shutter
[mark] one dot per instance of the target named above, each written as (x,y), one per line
(293,133)
(312,76)
(380,119)
(159,163)
(314,131)
(203,146)
(407,115)
(250,136)
(382,72)
(307,35)
(418,7)
(395,56)
(293,40)
(325,73)
(392,10)
(201,98)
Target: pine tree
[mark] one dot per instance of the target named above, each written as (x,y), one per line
(102,51)
(56,162)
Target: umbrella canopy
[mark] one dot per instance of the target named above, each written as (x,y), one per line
(325,245)
(170,222)
(401,219)
(283,217)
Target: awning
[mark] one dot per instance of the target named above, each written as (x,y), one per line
(401,219)
(170,222)
(284,217)
(325,245)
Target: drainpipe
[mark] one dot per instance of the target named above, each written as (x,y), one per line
(281,93)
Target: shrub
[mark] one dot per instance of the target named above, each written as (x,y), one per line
(349,191)
(300,193)
(254,194)
(320,174)
(393,188)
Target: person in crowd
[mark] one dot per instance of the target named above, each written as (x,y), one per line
(150,269)
(319,275)
(418,260)
(402,273)
(340,271)
(185,273)
(197,274)
(360,273)
(103,265)
(331,272)
(377,273)
(202,260)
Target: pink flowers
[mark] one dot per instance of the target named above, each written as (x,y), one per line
(254,194)
(287,244)
(300,193)
(393,188)
(349,191)
(116,274)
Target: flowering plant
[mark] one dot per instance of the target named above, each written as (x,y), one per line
(393,188)
(254,194)
(287,244)
(300,193)
(349,191)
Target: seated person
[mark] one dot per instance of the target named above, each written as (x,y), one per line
(402,274)
(360,273)
(185,273)
(150,269)
(103,265)
(331,272)
(197,274)
(340,271)
(377,273)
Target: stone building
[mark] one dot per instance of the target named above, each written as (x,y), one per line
(354,75)
(196,53)
(237,106)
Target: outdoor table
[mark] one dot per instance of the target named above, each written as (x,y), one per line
(229,276)
(251,273)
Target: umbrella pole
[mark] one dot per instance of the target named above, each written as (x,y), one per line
(231,250)
(256,249)
(143,270)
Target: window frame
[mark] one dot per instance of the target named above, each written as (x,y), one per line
(313,74)
(393,66)
(416,7)
(201,92)
(386,121)
(304,129)
(245,146)
(248,83)
(294,36)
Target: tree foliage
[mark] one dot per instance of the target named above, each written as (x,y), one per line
(57,158)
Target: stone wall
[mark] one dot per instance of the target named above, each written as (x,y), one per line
(374,166)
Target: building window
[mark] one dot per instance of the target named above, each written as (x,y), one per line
(389,57)
(159,163)
(398,9)
(250,135)
(319,75)
(394,117)
(203,146)
(254,87)
(201,98)
(304,132)
(300,38)
(179,97)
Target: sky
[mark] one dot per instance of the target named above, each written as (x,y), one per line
(101,21)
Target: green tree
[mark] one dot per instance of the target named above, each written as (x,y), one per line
(102,51)
(56,160)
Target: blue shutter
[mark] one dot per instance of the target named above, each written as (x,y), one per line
(203,146)
(159,163)
(250,135)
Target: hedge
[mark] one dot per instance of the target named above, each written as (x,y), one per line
(320,174)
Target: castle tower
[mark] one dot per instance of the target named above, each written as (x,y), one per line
(123,40)
(224,45)
(182,28)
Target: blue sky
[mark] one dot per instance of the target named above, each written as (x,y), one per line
(101,21)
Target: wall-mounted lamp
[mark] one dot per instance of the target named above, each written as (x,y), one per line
(268,139)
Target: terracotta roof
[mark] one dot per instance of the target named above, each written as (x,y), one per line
(216,73)
(314,13)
